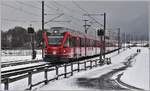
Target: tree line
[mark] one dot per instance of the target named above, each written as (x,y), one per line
(18,37)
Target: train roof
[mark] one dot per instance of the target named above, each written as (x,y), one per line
(72,32)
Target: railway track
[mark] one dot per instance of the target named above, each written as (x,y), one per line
(24,70)
(18,62)
(22,62)
(12,75)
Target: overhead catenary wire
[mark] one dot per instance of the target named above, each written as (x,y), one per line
(61,11)
(51,7)
(65,7)
(54,18)
(17,20)
(66,14)
(21,10)
(28,5)
(48,6)
(77,5)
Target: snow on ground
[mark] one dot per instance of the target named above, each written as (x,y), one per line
(40,76)
(19,58)
(21,66)
(138,75)
(17,55)
(69,83)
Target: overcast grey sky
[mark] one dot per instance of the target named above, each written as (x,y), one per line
(130,16)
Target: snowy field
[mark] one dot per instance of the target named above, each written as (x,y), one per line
(17,55)
(131,76)
(138,75)
(20,58)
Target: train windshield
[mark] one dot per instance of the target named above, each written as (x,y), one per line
(55,40)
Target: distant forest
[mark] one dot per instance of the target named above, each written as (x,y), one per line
(17,37)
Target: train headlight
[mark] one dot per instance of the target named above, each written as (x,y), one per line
(64,51)
(54,52)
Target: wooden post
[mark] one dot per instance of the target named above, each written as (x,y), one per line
(71,69)
(85,65)
(95,63)
(65,69)
(6,84)
(118,40)
(78,66)
(30,80)
(90,64)
(56,73)
(46,79)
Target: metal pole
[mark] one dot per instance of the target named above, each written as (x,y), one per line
(42,23)
(118,40)
(86,33)
(104,32)
(85,26)
(124,39)
(32,44)
(101,48)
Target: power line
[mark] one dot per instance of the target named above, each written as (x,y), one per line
(16,20)
(51,7)
(69,9)
(54,18)
(62,12)
(87,13)
(22,10)
(68,15)
(48,6)
(28,5)
(58,9)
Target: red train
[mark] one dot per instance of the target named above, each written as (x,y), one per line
(64,44)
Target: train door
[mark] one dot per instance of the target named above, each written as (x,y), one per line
(85,46)
(95,46)
(73,46)
(77,46)
(80,48)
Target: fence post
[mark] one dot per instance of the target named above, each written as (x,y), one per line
(85,65)
(30,80)
(56,72)
(46,79)
(71,68)
(65,69)
(90,64)
(78,66)
(95,63)
(6,84)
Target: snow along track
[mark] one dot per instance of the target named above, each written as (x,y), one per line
(29,61)
(18,62)
(9,71)
(105,82)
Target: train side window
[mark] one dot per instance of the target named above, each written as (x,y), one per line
(79,42)
(70,39)
(82,42)
(73,42)
(94,43)
(88,43)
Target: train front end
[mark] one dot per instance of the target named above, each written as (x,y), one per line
(57,47)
